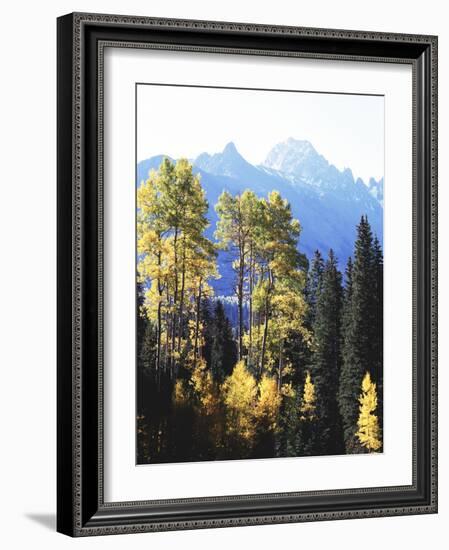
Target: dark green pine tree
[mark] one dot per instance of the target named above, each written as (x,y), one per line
(286,434)
(314,279)
(326,361)
(146,337)
(297,350)
(223,354)
(378,343)
(347,299)
(140,317)
(359,330)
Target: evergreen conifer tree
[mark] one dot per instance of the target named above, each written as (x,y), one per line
(223,354)
(314,279)
(347,296)
(326,361)
(378,340)
(360,329)
(298,350)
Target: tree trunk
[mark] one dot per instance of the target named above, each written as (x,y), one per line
(280,364)
(167,333)
(175,300)
(264,338)
(251,274)
(167,348)
(181,299)
(240,301)
(159,319)
(197,324)
(265,328)
(158,341)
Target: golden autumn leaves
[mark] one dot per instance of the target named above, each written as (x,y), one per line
(368,426)
(264,385)
(248,405)
(175,259)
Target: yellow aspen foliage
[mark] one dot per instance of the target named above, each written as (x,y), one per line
(240,388)
(287,390)
(175,259)
(180,393)
(308,405)
(269,401)
(192,327)
(240,393)
(368,424)
(204,388)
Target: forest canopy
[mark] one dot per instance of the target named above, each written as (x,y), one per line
(289,365)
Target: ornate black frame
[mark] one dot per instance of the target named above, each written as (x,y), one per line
(81,507)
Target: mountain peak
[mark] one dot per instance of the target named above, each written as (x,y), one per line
(326,201)
(227,163)
(296,157)
(230,149)
(301,145)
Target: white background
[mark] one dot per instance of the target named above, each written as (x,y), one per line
(27,300)
(123,67)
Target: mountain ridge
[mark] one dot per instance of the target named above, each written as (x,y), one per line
(328,202)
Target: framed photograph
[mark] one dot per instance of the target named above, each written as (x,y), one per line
(247,279)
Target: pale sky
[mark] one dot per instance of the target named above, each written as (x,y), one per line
(348,130)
